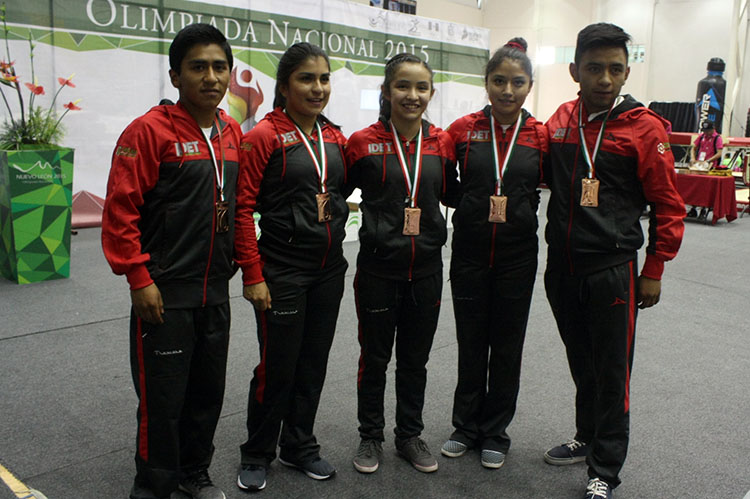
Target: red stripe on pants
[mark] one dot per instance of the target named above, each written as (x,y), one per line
(143,407)
(631,334)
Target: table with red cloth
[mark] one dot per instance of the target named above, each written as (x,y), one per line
(712,191)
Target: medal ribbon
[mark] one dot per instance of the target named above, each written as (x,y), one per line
(412,185)
(321,165)
(219,174)
(500,172)
(591,159)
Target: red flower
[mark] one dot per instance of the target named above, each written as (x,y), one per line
(35,89)
(6,66)
(7,77)
(71,106)
(66,82)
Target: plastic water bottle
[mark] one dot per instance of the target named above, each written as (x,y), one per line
(709,100)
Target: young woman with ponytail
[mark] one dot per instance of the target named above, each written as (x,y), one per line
(292,174)
(405,167)
(494,258)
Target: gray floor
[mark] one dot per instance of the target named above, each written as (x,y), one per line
(67,408)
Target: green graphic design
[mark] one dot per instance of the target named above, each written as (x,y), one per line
(35,209)
(256,37)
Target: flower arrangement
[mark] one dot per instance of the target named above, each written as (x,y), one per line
(35,126)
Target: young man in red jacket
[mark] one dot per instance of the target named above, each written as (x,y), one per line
(608,158)
(168,226)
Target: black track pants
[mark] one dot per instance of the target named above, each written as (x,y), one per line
(491,308)
(405,312)
(294,337)
(596,317)
(179,370)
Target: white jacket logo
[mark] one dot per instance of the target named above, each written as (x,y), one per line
(187,148)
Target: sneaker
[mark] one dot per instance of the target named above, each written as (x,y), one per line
(415,451)
(492,459)
(198,485)
(568,453)
(368,456)
(316,468)
(692,213)
(252,477)
(598,489)
(703,214)
(453,448)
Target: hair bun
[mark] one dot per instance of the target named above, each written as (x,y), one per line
(517,43)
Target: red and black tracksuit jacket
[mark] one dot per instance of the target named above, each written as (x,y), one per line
(474,237)
(592,277)
(159,217)
(493,269)
(635,167)
(279,181)
(375,169)
(159,226)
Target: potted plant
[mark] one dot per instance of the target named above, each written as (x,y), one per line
(36,176)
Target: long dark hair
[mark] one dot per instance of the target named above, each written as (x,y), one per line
(290,61)
(390,72)
(514,50)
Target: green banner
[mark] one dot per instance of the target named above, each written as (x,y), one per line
(85,25)
(35,211)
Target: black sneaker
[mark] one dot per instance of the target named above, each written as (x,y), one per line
(568,453)
(415,451)
(198,485)
(703,214)
(252,477)
(316,468)
(692,213)
(598,489)
(368,456)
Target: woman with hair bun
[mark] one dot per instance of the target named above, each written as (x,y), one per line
(292,174)
(405,167)
(494,258)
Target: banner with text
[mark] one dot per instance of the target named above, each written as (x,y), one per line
(117,51)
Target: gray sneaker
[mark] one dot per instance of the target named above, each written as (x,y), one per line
(492,459)
(316,468)
(415,451)
(252,477)
(198,485)
(368,456)
(453,448)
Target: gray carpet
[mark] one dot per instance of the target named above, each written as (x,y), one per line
(68,407)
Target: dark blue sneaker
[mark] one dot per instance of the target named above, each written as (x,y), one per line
(568,453)
(598,489)
(252,477)
(316,468)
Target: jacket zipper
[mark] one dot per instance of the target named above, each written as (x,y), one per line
(413,242)
(213,235)
(571,207)
(494,225)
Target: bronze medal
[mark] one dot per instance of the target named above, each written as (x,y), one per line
(323,200)
(498,206)
(222,217)
(590,192)
(411,221)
